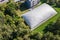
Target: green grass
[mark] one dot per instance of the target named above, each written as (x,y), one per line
(43,26)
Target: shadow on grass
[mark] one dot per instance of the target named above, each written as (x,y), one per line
(23,7)
(47,28)
(57,6)
(53,28)
(43,1)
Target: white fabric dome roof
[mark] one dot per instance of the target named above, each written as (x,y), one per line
(39,15)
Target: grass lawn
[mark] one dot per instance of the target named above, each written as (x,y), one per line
(53,19)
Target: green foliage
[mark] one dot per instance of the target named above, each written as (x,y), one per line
(50,36)
(58,3)
(36,36)
(13,27)
(52,2)
(54,27)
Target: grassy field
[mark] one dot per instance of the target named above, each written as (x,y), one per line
(43,26)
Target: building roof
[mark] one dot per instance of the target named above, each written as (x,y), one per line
(39,15)
(3,1)
(16,0)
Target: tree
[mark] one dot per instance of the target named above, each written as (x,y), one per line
(51,1)
(50,36)
(36,36)
(58,3)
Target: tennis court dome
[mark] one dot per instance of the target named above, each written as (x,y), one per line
(39,15)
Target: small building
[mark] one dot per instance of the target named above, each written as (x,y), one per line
(22,1)
(39,15)
(31,3)
(3,1)
(16,0)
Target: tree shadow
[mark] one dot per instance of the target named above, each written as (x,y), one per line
(49,28)
(43,1)
(53,28)
(57,6)
(23,7)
